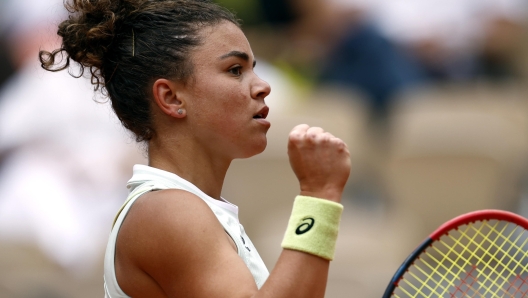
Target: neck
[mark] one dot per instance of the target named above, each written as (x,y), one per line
(191,162)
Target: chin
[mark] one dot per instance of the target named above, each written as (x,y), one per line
(257,148)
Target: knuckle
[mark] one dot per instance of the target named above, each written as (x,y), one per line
(293,143)
(315,129)
(295,134)
(300,127)
(340,145)
(312,135)
(328,137)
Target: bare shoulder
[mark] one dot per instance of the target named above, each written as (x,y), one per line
(167,237)
(177,206)
(166,216)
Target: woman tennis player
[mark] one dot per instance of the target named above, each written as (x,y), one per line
(179,74)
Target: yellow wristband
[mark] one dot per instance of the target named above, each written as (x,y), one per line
(313,226)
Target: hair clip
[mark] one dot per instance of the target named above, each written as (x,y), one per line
(133,44)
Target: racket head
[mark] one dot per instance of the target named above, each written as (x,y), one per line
(478,254)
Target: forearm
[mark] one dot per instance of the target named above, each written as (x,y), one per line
(309,242)
(296,274)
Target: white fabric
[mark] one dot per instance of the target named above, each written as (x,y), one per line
(146,179)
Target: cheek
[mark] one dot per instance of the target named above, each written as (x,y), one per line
(221,113)
(222,103)
(232,106)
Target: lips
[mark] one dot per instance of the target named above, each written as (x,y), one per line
(262,113)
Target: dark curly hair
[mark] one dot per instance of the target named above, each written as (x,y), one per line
(128,44)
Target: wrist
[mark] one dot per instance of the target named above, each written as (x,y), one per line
(313,226)
(326,194)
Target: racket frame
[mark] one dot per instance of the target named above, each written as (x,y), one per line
(471,217)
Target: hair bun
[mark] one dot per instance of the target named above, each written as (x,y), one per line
(89,30)
(88,33)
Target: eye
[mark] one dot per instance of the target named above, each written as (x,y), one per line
(236,70)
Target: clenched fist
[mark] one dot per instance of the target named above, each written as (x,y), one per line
(320,161)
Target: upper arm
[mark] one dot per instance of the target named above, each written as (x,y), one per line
(175,239)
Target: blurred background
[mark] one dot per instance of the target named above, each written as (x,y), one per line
(430,96)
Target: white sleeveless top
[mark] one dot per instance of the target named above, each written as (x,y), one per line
(146,179)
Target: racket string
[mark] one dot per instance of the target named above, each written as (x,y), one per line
(483,259)
(441,265)
(512,258)
(486,252)
(459,256)
(519,289)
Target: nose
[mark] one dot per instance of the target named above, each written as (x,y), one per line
(260,88)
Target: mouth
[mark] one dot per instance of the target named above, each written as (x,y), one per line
(262,114)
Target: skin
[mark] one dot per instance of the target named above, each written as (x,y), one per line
(171,244)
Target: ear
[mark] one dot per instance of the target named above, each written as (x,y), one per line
(165,94)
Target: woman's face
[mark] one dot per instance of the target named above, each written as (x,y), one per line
(224,97)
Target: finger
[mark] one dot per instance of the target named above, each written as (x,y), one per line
(342,148)
(340,144)
(298,133)
(328,137)
(300,128)
(314,133)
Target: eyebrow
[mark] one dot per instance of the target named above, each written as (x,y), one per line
(241,55)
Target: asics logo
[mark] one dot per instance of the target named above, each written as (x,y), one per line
(306,226)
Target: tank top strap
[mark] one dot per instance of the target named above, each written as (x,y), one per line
(112,289)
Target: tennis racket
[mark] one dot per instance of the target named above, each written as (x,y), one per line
(478,254)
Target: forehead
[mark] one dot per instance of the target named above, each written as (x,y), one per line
(218,40)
